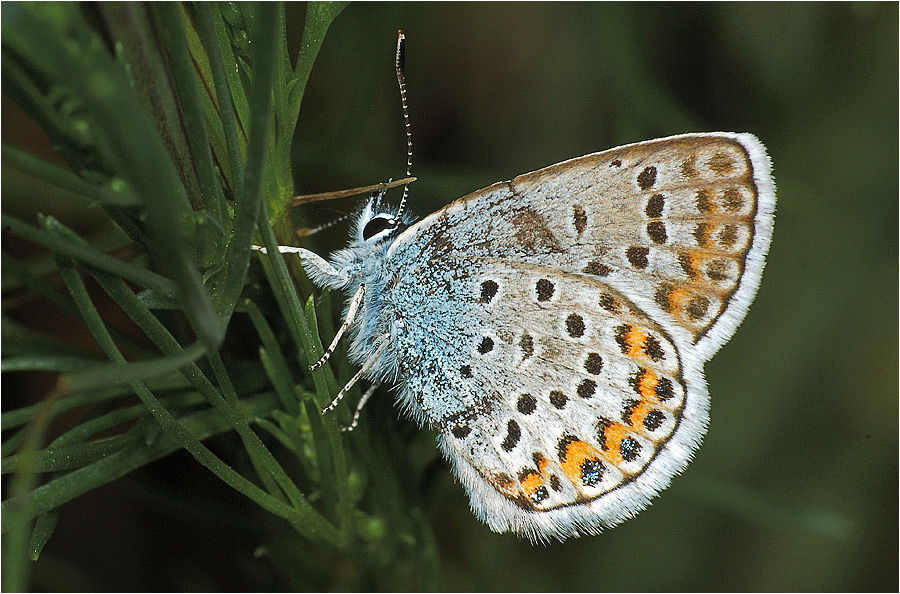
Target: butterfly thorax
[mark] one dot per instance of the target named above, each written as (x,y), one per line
(363,261)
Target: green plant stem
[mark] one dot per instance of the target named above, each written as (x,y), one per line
(277,369)
(319,16)
(74,56)
(202,424)
(66,458)
(20,416)
(71,449)
(130,27)
(172,24)
(88,255)
(19,510)
(312,523)
(248,207)
(111,374)
(161,337)
(66,180)
(336,468)
(223,96)
(258,453)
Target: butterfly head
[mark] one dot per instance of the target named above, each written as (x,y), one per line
(377,225)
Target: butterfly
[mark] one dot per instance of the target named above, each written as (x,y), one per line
(553,328)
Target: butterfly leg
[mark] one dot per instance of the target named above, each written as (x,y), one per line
(360,405)
(367,366)
(351,313)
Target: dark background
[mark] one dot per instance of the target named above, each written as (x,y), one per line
(796,484)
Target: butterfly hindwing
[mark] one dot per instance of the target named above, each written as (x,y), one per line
(552,391)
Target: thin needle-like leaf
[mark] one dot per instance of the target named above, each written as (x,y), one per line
(90,256)
(67,180)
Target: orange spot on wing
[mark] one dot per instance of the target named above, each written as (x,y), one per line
(635,345)
(531,482)
(635,341)
(577,452)
(694,262)
(647,384)
(614,435)
(638,414)
(677,297)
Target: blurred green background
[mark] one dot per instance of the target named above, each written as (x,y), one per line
(796,484)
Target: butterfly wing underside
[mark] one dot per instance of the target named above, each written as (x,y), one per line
(682,224)
(557,325)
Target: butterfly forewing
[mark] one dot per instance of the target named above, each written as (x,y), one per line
(676,222)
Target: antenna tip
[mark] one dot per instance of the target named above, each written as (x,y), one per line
(401,51)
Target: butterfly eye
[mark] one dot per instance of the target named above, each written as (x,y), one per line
(377,226)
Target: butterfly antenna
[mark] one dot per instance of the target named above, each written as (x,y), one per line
(400,65)
(306,232)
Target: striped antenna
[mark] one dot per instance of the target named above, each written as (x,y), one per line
(307,231)
(401,79)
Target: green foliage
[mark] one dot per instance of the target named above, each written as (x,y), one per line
(795,486)
(176,121)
